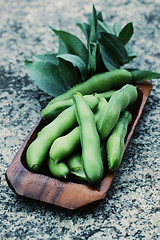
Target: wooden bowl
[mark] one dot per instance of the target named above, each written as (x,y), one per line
(68,194)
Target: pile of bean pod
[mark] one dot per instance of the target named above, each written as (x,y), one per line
(86,128)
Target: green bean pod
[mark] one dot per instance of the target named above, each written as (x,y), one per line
(115,143)
(74,162)
(107,95)
(119,101)
(103,152)
(65,145)
(90,141)
(98,83)
(75,166)
(59,170)
(38,150)
(100,109)
(51,111)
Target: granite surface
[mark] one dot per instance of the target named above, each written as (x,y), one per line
(131,210)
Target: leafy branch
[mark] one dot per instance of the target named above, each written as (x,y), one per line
(106,48)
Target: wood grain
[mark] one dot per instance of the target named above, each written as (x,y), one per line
(41,186)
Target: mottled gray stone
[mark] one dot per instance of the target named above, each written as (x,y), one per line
(131,210)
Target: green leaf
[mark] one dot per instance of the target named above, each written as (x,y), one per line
(109,59)
(139,75)
(85,28)
(114,48)
(92,64)
(50,57)
(131,57)
(94,32)
(76,62)
(100,67)
(68,72)
(117,28)
(72,44)
(92,37)
(46,76)
(62,47)
(90,29)
(126,33)
(100,17)
(103,27)
(131,54)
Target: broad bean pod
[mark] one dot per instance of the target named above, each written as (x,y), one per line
(107,95)
(100,109)
(59,170)
(38,150)
(115,143)
(119,101)
(90,141)
(98,83)
(75,166)
(51,111)
(63,146)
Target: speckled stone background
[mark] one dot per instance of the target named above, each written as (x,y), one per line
(131,209)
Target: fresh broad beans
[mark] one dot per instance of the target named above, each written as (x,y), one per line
(100,109)
(39,148)
(87,123)
(65,145)
(119,101)
(51,111)
(107,95)
(90,141)
(98,83)
(59,170)
(75,166)
(103,152)
(74,162)
(115,143)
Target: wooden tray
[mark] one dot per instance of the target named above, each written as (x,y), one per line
(67,194)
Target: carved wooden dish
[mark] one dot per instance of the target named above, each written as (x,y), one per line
(68,194)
